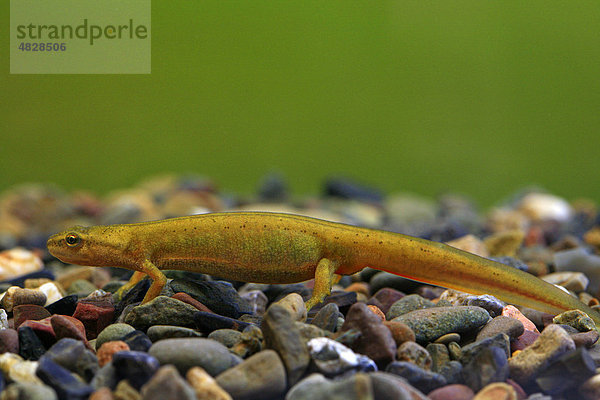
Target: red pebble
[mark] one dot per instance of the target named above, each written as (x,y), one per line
(94,318)
(521,395)
(69,327)
(186,298)
(26,312)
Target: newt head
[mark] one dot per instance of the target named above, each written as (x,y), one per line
(84,246)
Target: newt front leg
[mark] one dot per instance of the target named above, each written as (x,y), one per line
(325,277)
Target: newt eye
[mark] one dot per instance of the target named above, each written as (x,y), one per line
(72,239)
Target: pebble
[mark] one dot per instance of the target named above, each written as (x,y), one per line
(94,317)
(400,332)
(375,340)
(161,311)
(513,328)
(407,304)
(218,296)
(102,394)
(524,341)
(544,206)
(113,332)
(470,243)
(383,279)
(160,332)
(17,262)
(423,380)
(333,358)
(26,312)
(573,281)
(583,339)
(209,322)
(24,372)
(257,301)
(62,381)
(68,327)
(227,337)
(74,356)
(167,384)
(485,366)
(9,341)
(52,291)
(63,306)
(15,296)
(414,353)
(579,260)
(108,349)
(282,335)
(205,386)
(497,391)
(385,297)
(186,353)
(294,304)
(125,391)
(590,390)
(186,298)
(452,392)
(135,366)
(439,356)
(448,338)
(505,243)
(327,317)
(138,341)
(577,319)
(566,373)
(429,324)
(261,376)
(513,312)
(552,343)
(316,386)
(454,350)
(22,391)
(30,346)
(81,287)
(251,342)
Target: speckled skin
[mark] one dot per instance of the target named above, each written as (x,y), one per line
(285,248)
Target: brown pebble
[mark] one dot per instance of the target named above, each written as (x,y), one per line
(452,392)
(377,311)
(497,391)
(585,339)
(385,297)
(358,287)
(28,296)
(448,338)
(186,298)
(124,391)
(28,311)
(205,386)
(523,341)
(521,394)
(400,332)
(107,350)
(513,312)
(102,394)
(34,283)
(9,341)
(69,327)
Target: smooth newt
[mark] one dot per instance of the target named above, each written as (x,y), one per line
(284,248)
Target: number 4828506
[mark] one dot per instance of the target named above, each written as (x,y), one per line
(25,46)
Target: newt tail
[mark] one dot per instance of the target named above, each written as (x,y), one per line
(284,248)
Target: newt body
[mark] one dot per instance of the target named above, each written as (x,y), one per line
(284,248)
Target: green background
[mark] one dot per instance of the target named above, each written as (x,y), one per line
(478,97)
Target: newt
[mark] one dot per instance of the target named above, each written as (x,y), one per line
(265,247)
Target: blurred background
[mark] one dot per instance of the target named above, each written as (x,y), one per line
(481,98)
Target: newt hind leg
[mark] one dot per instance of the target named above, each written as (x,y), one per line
(324,277)
(158,281)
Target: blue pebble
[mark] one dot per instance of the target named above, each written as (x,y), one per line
(135,366)
(137,341)
(62,381)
